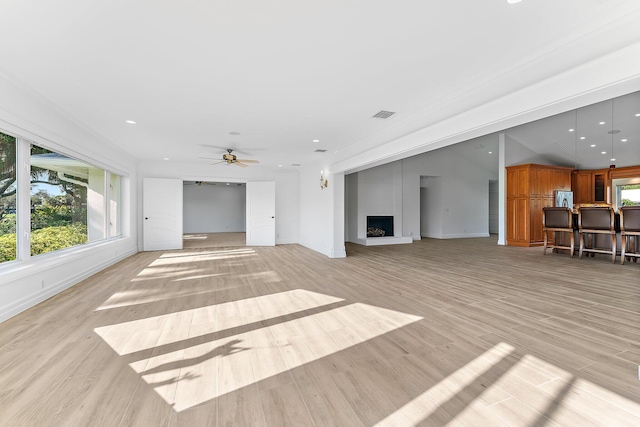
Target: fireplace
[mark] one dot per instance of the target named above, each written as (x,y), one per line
(379,226)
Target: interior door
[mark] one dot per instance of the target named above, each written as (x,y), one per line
(162,210)
(261,213)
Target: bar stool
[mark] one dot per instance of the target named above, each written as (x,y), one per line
(557,220)
(629,231)
(597,220)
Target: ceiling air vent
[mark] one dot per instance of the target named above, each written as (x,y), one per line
(320,150)
(295,164)
(383,114)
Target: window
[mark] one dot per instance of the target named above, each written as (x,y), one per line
(629,195)
(8,219)
(627,192)
(58,201)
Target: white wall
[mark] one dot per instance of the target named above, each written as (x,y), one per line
(518,154)
(216,208)
(24,284)
(455,204)
(380,194)
(322,218)
(464,194)
(287,187)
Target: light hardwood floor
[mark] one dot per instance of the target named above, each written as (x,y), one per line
(213,240)
(440,332)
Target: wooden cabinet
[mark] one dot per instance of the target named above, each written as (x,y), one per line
(582,187)
(531,187)
(591,186)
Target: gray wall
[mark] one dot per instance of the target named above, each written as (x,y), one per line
(214,208)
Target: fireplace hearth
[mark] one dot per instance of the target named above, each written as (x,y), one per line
(379,226)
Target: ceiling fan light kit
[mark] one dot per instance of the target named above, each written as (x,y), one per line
(231,159)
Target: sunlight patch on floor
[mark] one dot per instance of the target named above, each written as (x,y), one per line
(235,344)
(194,237)
(438,396)
(151,273)
(125,335)
(184,256)
(483,393)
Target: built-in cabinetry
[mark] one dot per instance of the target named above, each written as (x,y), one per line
(591,186)
(530,188)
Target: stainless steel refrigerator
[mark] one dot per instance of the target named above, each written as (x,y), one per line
(564,199)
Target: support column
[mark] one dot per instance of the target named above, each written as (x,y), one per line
(338,249)
(502,190)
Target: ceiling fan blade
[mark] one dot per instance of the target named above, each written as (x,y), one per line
(209,158)
(242,165)
(217,163)
(247,161)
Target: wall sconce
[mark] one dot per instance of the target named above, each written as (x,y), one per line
(324,183)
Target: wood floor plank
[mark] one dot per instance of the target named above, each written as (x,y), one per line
(203,415)
(283,406)
(439,332)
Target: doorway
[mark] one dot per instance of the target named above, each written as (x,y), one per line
(214,214)
(431,206)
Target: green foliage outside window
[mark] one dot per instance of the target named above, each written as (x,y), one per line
(57,221)
(45,240)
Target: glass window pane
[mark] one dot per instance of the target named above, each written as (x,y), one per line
(114,207)
(629,194)
(7,198)
(67,201)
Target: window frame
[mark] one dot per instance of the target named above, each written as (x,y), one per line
(617,193)
(23,206)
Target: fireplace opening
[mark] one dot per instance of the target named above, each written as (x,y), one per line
(379,226)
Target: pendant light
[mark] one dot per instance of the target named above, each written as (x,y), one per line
(613,132)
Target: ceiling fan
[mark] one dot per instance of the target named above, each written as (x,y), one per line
(231,159)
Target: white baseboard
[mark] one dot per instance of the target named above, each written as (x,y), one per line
(456,236)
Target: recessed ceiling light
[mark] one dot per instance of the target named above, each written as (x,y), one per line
(592,145)
(131,122)
(513,1)
(490,152)
(638,115)
(603,152)
(316,140)
(583,137)
(571,130)
(165,158)
(601,123)
(613,160)
(228,183)
(279,166)
(624,140)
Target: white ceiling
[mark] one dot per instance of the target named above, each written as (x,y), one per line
(283,73)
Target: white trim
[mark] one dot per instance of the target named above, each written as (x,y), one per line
(23,204)
(16,270)
(464,236)
(40,141)
(502,190)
